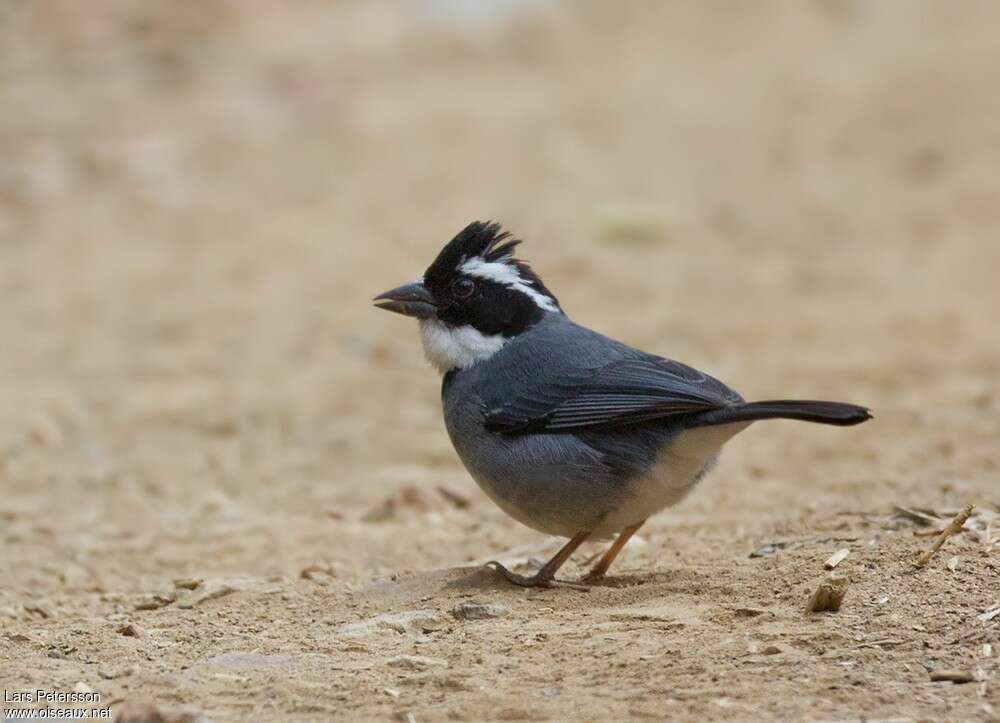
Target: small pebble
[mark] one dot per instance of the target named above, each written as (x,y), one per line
(416,662)
(479,611)
(210,590)
(154,601)
(131,630)
(317,572)
(112,673)
(829,595)
(412,621)
(37,610)
(772,548)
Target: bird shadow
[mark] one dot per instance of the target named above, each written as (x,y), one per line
(487,578)
(418,585)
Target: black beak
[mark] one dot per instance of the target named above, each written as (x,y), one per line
(410,300)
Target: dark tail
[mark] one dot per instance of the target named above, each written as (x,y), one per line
(837,413)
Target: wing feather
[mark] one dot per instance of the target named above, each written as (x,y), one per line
(628,391)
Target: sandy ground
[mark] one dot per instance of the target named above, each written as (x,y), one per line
(197,202)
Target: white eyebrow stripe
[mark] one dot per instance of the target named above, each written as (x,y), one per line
(507,275)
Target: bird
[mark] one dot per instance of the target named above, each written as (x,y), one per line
(570,432)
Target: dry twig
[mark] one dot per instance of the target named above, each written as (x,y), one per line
(836,558)
(952,676)
(888,642)
(953,528)
(989,614)
(924,518)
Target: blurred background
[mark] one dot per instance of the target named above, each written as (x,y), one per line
(199,199)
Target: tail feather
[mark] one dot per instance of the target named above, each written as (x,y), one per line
(840,414)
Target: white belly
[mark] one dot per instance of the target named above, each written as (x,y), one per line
(677,470)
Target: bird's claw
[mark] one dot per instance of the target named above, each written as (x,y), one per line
(539,579)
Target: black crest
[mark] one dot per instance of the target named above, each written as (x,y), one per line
(485,239)
(488,241)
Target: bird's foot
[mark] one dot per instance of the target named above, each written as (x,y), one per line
(540,579)
(592,578)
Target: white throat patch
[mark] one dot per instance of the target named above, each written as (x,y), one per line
(507,275)
(458,347)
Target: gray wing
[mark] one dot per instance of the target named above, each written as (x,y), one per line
(622,392)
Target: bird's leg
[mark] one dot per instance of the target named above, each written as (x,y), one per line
(598,571)
(546,576)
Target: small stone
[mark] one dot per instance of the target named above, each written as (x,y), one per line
(187,583)
(416,662)
(83,688)
(209,590)
(154,601)
(952,676)
(829,595)
(953,563)
(131,630)
(479,611)
(317,572)
(771,548)
(355,647)
(413,621)
(771,650)
(456,683)
(391,692)
(38,610)
(112,673)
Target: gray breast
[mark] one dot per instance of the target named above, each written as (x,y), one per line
(555,483)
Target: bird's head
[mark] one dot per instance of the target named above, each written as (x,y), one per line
(473,299)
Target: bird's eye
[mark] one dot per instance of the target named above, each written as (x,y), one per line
(463,288)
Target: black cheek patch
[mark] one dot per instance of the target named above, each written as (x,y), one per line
(500,310)
(494,310)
